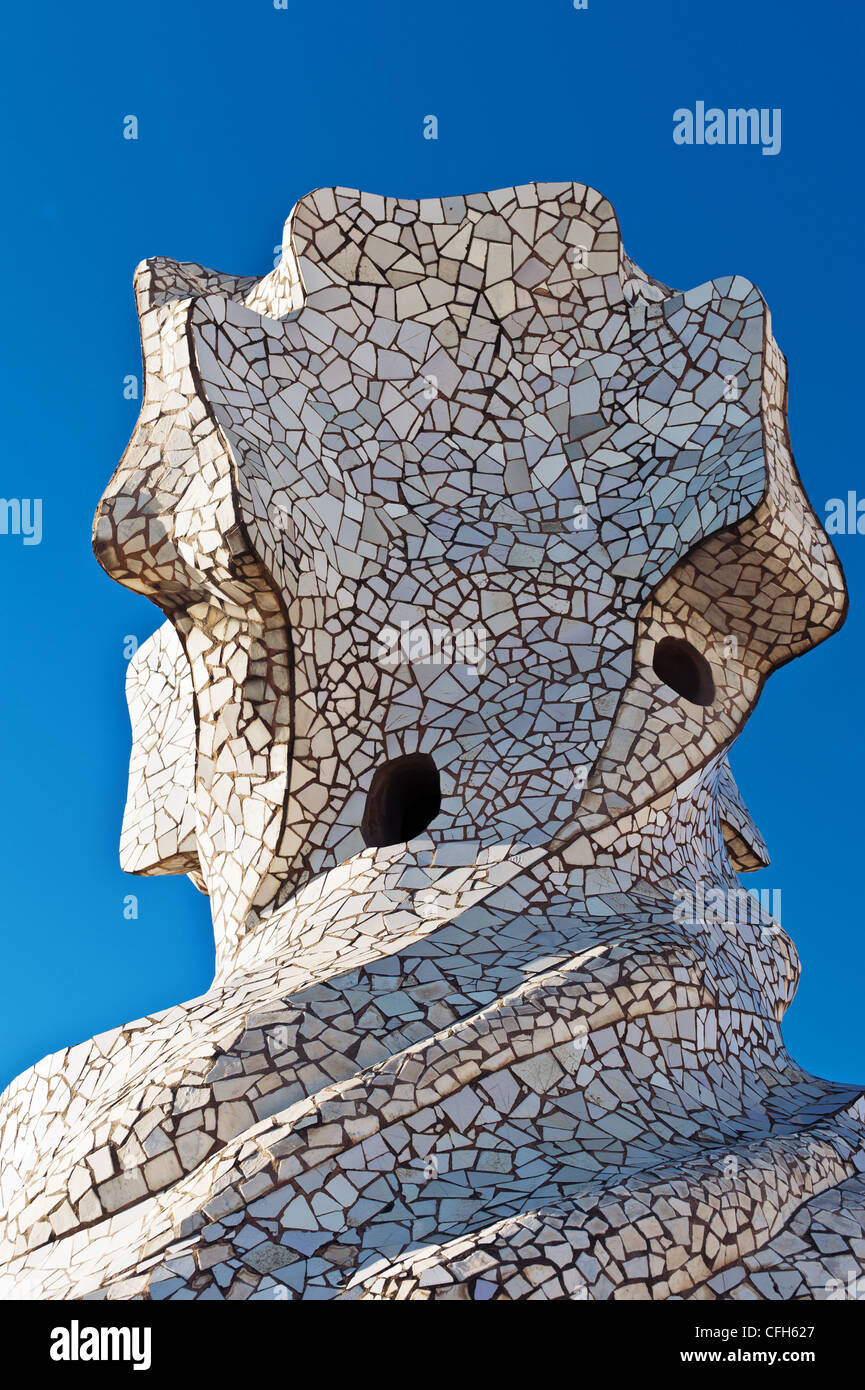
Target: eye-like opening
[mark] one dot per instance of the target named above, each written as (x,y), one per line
(684,669)
(404,797)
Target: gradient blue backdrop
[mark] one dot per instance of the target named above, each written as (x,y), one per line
(242,108)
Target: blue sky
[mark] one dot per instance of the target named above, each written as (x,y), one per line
(241,109)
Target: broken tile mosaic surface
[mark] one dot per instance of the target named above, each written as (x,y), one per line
(476,546)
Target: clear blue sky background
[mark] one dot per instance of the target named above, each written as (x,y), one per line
(242,108)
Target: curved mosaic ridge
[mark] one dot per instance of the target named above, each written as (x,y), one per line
(477,545)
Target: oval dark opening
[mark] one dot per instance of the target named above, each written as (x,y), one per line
(404,796)
(684,669)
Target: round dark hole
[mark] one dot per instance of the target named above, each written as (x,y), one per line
(404,796)
(684,669)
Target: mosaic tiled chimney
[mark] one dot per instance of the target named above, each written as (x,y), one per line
(476,545)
